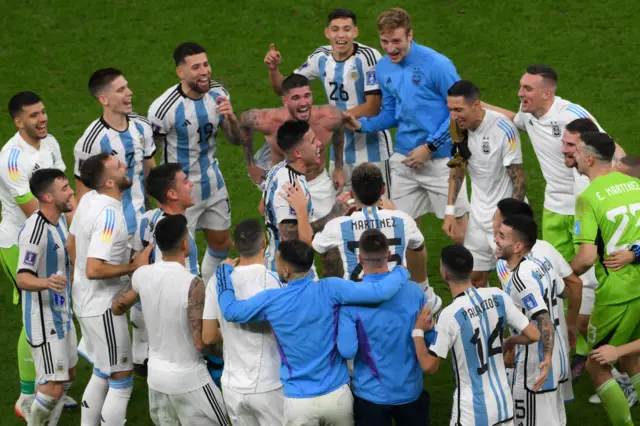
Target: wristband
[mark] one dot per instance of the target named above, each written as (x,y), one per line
(417,333)
(636,251)
(432,147)
(450,210)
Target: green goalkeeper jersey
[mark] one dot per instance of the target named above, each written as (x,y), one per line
(608,215)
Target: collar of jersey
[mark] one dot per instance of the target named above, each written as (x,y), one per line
(355,50)
(26,145)
(301,281)
(406,61)
(184,95)
(552,110)
(105,124)
(293,170)
(374,277)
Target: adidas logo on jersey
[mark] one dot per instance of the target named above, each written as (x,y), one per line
(114,152)
(186,123)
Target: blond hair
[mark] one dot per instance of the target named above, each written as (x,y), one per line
(392,19)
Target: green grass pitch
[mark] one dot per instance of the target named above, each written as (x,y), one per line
(53,46)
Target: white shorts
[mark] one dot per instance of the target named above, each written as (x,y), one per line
(384,167)
(54,358)
(213,213)
(334,408)
(106,343)
(424,190)
(478,242)
(201,407)
(538,409)
(254,409)
(323,195)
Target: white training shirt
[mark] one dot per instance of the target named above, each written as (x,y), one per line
(175,364)
(46,314)
(18,161)
(546,137)
(471,328)
(132,146)
(346,84)
(534,287)
(101,232)
(190,131)
(276,207)
(344,233)
(251,356)
(494,145)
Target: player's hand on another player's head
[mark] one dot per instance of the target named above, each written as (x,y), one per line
(605,354)
(619,259)
(348,207)
(224,107)
(273,58)
(424,321)
(57,283)
(545,367)
(295,195)
(351,122)
(233,262)
(142,258)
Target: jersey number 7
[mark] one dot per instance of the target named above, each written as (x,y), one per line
(353,245)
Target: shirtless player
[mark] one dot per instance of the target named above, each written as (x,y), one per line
(325,121)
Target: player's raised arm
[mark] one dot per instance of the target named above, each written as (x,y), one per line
(272,61)
(509,114)
(240,311)
(251,121)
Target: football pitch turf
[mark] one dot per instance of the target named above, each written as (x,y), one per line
(52,47)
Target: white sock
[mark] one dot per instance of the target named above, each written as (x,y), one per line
(114,410)
(41,409)
(212,258)
(432,297)
(140,349)
(93,398)
(57,411)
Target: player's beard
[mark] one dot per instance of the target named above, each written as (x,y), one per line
(124,183)
(65,206)
(282,278)
(194,86)
(507,252)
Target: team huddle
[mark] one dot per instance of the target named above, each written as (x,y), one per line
(270,337)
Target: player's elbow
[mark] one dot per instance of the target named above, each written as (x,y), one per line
(93,269)
(430,366)
(116,309)
(532,333)
(21,280)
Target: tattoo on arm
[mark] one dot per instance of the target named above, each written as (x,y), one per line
(339,209)
(248,122)
(516,174)
(332,263)
(121,302)
(288,230)
(547,332)
(456,176)
(337,139)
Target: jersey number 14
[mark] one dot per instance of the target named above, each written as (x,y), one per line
(476,340)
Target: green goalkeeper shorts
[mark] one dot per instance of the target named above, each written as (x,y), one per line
(557,230)
(9,264)
(614,324)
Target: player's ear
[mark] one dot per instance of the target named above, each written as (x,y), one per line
(326,32)
(360,259)
(410,35)
(179,72)
(389,256)
(355,31)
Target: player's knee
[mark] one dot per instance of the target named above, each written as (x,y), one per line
(72,374)
(599,373)
(52,389)
(630,364)
(582,324)
(218,240)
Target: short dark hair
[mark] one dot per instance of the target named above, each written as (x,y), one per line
(160,180)
(510,206)
(21,100)
(170,231)
(92,170)
(291,133)
(187,49)
(457,261)
(341,13)
(600,144)
(42,179)
(373,242)
(248,237)
(297,254)
(582,125)
(294,81)
(544,71)
(524,227)
(466,89)
(367,183)
(100,79)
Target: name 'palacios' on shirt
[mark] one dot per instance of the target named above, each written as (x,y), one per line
(482,307)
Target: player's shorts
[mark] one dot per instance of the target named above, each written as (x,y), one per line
(139,335)
(384,167)
(334,408)
(323,195)
(213,213)
(614,325)
(9,264)
(201,407)
(424,190)
(538,409)
(106,342)
(250,409)
(478,242)
(557,230)
(262,159)
(54,358)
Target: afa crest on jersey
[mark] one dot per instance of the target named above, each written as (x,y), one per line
(486,147)
(354,74)
(555,130)
(416,77)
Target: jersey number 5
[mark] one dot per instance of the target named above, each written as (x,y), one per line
(338,93)
(353,245)
(493,350)
(625,212)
